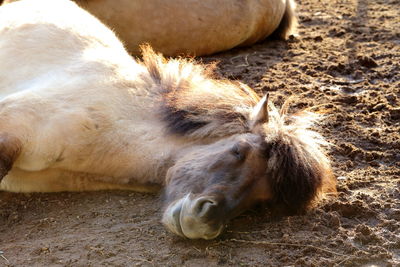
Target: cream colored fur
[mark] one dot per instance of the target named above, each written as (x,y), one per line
(77,101)
(196,27)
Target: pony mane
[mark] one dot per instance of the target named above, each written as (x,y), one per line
(196,104)
(298,167)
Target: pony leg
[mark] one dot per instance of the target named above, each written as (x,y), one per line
(10,149)
(57,180)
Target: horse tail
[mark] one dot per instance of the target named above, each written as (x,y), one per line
(288,24)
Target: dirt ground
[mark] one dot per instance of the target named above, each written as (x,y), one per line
(346,62)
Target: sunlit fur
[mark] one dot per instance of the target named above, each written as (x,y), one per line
(79,113)
(296,158)
(195,104)
(199,27)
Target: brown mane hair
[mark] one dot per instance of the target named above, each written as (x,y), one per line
(298,167)
(194,103)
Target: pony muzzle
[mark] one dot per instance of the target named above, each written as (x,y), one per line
(193,218)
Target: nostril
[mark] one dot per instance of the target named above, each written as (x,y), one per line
(204,206)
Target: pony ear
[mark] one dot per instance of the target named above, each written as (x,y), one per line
(259,115)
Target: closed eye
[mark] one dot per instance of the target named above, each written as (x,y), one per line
(235,152)
(239,151)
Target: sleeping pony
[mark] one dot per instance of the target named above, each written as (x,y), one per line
(79,113)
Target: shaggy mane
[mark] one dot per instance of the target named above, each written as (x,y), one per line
(193,102)
(298,168)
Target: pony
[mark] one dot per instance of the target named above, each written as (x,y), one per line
(77,113)
(196,27)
